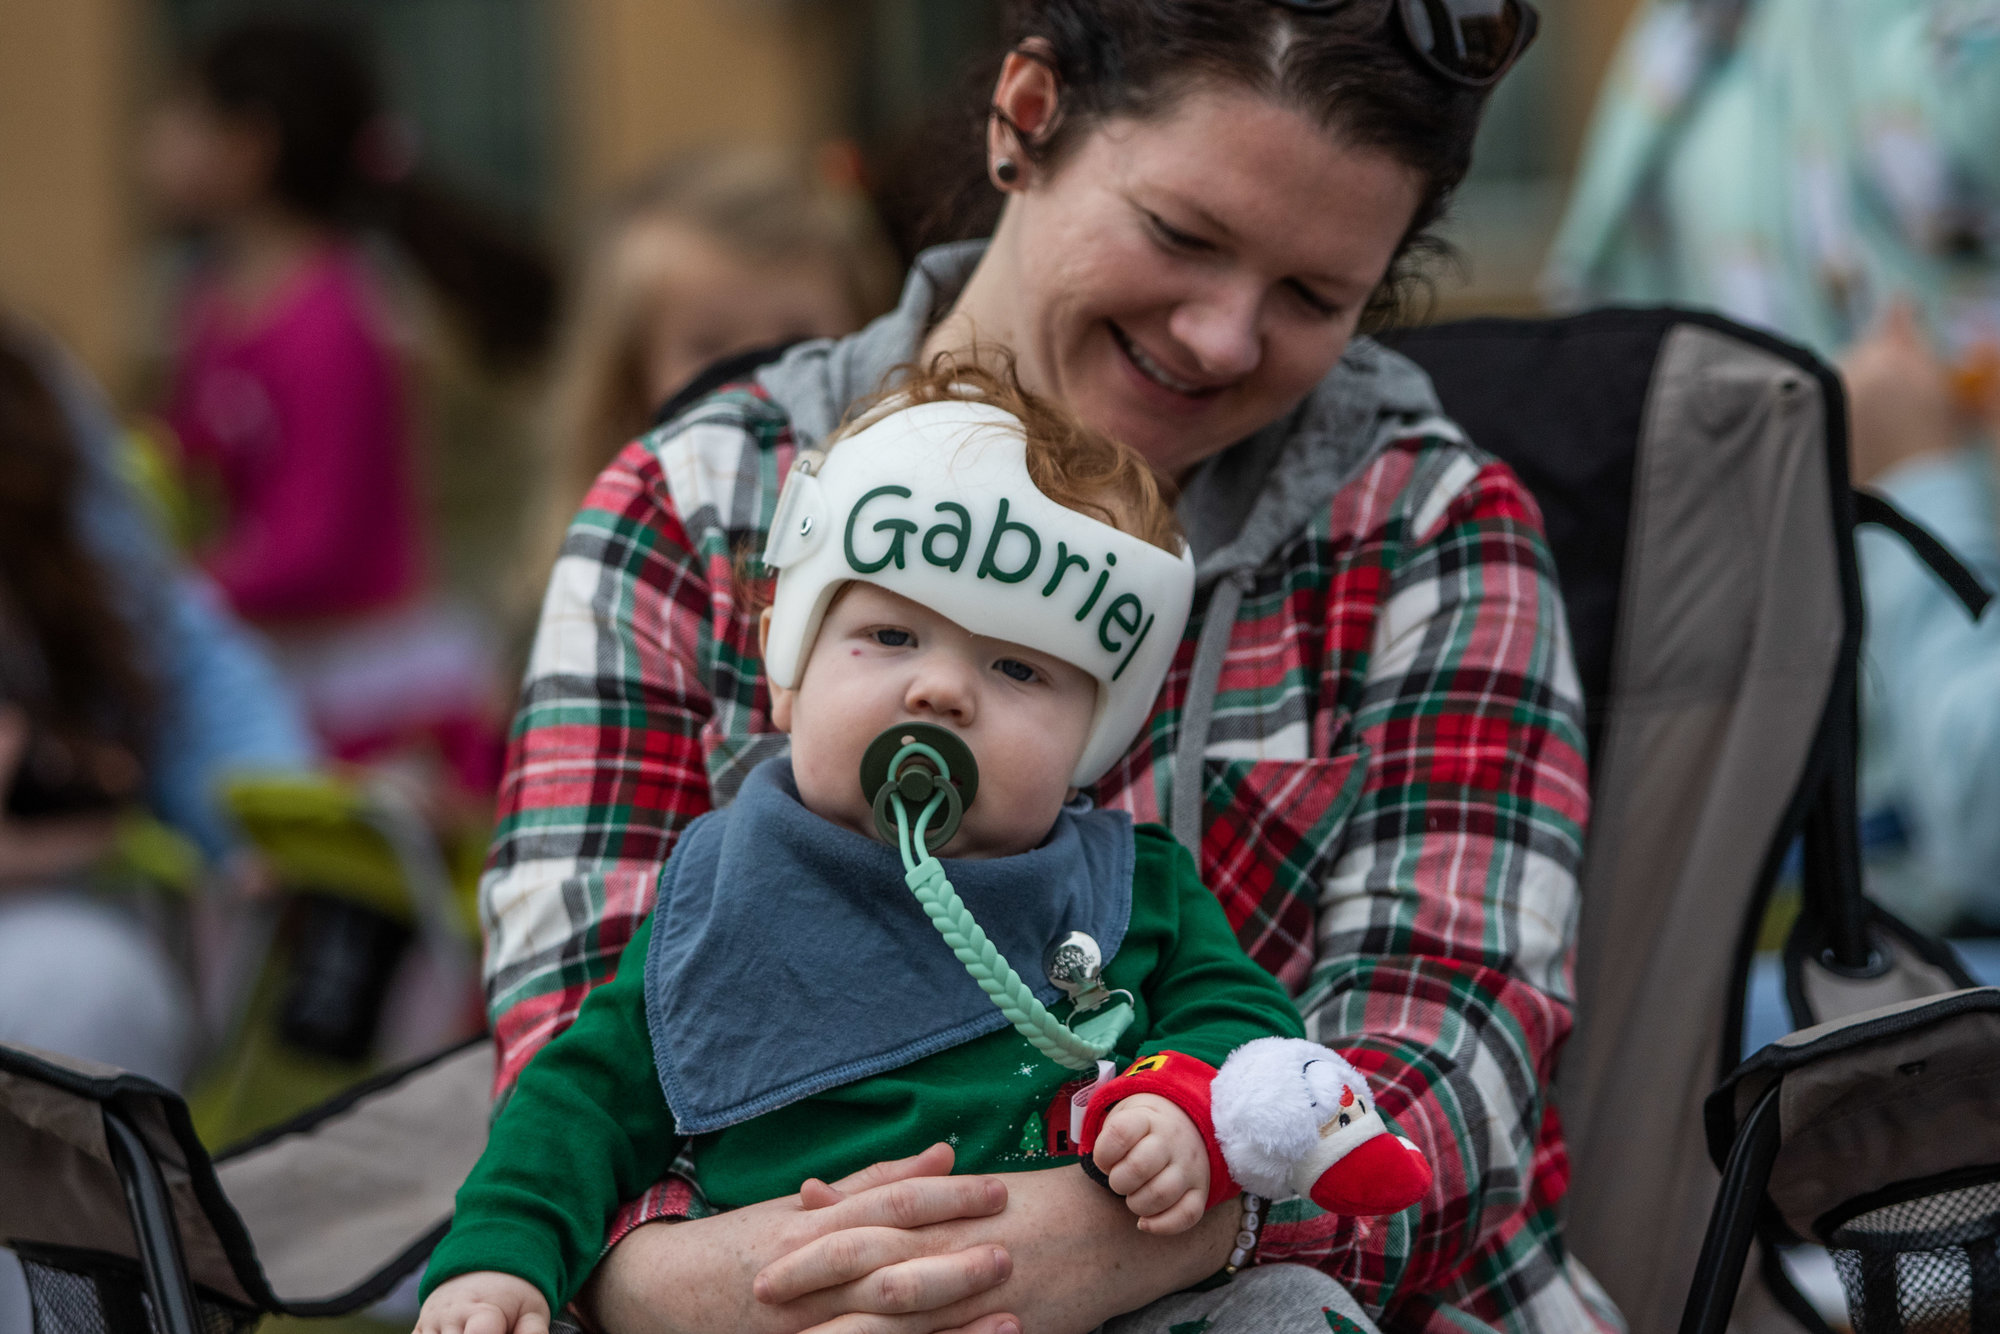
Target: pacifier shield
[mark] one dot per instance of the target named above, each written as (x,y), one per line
(917,780)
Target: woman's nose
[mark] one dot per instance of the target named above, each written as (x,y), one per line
(1220,328)
(944,687)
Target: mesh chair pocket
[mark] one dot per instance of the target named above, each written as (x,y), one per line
(1925,1261)
(90,1292)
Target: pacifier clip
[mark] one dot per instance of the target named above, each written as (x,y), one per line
(929,767)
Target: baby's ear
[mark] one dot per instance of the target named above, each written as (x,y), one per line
(781,698)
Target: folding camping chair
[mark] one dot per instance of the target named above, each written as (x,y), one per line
(1693,477)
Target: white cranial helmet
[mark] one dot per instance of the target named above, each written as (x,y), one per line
(934,503)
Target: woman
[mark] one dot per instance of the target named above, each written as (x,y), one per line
(123,684)
(1372,733)
(122,681)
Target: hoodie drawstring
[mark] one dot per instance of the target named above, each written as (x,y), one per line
(1204,677)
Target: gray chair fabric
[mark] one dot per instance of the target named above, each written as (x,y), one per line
(1909,1092)
(1731,629)
(318,1218)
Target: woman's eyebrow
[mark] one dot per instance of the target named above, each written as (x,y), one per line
(1201,215)
(1220,230)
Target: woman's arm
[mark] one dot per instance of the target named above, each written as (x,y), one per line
(910,1254)
(606,764)
(1932,678)
(1447,922)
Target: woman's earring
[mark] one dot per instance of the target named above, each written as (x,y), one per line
(1006,171)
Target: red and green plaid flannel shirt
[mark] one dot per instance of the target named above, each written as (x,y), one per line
(1395,801)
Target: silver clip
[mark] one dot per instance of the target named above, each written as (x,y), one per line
(1075,966)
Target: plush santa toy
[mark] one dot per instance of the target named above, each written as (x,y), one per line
(1283,1117)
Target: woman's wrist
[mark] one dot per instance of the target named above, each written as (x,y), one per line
(1249,1231)
(1079,1260)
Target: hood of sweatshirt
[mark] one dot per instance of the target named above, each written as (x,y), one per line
(1237,507)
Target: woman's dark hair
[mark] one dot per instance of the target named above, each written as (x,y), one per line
(341,162)
(67,655)
(1348,71)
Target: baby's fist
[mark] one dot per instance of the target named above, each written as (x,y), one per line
(1153,1155)
(484,1303)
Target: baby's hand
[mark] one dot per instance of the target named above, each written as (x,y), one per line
(484,1303)
(1154,1156)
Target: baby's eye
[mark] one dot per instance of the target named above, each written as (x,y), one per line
(1015,670)
(889,636)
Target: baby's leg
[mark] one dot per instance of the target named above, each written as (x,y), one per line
(1267,1299)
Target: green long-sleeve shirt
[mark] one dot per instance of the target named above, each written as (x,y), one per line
(589,1127)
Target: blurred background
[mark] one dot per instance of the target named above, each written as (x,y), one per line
(539,108)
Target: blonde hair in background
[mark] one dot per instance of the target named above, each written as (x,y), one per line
(773,208)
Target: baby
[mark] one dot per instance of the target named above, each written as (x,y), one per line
(969,566)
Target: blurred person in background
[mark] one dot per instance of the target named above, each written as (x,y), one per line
(1829,170)
(712,253)
(274,149)
(124,685)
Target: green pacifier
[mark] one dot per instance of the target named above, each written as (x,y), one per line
(919,762)
(919,779)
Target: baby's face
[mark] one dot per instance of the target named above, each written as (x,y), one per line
(881,660)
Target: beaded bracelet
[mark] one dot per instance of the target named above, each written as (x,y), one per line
(1246,1239)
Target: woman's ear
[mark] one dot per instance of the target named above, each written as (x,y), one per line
(781,698)
(1026,107)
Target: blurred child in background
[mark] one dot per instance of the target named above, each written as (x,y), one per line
(712,253)
(289,393)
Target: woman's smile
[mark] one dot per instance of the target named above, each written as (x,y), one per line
(1151,370)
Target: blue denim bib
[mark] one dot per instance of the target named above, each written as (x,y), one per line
(788,956)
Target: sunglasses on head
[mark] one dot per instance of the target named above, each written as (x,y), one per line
(1470,42)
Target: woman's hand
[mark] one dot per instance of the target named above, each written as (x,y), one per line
(1900,401)
(899,1248)
(35,852)
(868,1256)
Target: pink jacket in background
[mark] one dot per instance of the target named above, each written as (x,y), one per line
(300,411)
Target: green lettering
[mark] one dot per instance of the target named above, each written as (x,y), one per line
(962,531)
(1115,614)
(1133,651)
(1091,601)
(898,529)
(1064,560)
(989,567)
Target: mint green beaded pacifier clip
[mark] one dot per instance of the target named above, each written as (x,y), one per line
(925,766)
